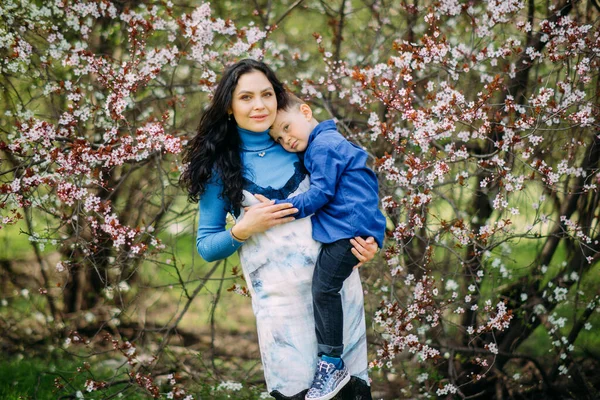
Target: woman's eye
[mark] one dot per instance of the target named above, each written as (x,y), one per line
(268,94)
(245,97)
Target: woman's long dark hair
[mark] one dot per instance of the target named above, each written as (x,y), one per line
(216,146)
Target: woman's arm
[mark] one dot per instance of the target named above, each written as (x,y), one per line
(215,242)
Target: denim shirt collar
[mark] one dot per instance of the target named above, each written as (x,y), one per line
(328,125)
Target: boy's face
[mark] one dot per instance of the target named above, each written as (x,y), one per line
(292,128)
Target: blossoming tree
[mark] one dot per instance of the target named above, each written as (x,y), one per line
(481,119)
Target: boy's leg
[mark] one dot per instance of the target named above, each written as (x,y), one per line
(334,265)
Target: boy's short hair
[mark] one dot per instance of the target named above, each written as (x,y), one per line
(294,102)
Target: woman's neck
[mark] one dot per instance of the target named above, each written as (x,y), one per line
(254,141)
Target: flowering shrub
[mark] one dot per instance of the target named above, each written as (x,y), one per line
(482,143)
(481,117)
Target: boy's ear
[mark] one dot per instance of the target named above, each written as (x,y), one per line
(306,111)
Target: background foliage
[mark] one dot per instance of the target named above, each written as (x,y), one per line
(482,121)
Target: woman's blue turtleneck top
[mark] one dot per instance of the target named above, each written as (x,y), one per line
(268,170)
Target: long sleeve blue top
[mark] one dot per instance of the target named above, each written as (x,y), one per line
(268,170)
(343,195)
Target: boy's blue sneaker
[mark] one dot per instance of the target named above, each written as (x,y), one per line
(328,381)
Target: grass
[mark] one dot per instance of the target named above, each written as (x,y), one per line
(33,378)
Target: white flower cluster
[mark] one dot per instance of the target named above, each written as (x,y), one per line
(229,385)
(447,389)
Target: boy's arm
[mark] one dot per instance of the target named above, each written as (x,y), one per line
(325,167)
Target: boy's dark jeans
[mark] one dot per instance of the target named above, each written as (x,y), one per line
(334,265)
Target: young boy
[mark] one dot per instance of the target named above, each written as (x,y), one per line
(343,199)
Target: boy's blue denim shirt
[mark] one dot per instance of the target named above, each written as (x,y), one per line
(343,195)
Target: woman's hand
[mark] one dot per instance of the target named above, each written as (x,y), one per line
(363,249)
(262,216)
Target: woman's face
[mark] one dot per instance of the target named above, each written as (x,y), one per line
(254,104)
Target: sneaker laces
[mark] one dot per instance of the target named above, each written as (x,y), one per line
(323,368)
(319,381)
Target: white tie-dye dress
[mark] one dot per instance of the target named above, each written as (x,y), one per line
(278,266)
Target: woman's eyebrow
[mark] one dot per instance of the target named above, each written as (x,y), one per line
(250,91)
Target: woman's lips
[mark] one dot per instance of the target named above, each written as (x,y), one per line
(259,117)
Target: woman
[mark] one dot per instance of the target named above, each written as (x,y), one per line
(231,159)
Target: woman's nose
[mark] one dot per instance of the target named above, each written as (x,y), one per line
(258,104)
